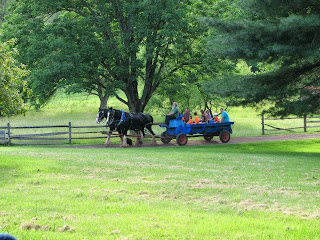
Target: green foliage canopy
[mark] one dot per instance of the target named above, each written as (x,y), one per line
(100,46)
(280,41)
(3,8)
(12,83)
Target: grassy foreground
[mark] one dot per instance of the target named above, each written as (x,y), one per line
(245,191)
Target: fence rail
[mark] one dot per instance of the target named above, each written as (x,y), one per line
(18,135)
(3,137)
(305,123)
(54,134)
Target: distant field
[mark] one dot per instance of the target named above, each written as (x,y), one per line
(245,191)
(81,110)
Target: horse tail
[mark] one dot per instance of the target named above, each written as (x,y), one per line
(149,124)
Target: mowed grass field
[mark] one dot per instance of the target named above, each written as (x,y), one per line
(244,191)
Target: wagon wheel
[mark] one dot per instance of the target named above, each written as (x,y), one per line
(224,136)
(165,137)
(208,137)
(182,139)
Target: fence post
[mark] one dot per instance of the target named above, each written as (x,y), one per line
(305,122)
(9,134)
(70,137)
(262,122)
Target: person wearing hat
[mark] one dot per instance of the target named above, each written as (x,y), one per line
(215,116)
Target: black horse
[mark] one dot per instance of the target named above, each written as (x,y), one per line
(122,122)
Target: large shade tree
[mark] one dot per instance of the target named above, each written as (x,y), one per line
(280,42)
(103,46)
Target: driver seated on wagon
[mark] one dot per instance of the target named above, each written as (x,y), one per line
(173,114)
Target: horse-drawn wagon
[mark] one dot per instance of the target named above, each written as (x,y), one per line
(118,120)
(181,131)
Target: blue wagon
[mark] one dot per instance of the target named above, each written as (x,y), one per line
(181,131)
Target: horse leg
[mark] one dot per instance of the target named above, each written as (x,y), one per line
(142,136)
(121,137)
(139,140)
(107,143)
(124,139)
(154,142)
(124,142)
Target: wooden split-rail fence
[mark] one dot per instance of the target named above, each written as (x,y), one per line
(3,137)
(55,134)
(290,124)
(67,134)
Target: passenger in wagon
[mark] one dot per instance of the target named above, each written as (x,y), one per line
(224,116)
(173,114)
(204,117)
(196,118)
(216,119)
(186,116)
(208,114)
(190,120)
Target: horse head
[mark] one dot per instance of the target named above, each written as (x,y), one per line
(103,113)
(110,117)
(109,114)
(100,115)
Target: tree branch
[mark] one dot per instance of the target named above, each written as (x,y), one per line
(109,69)
(108,35)
(120,99)
(124,32)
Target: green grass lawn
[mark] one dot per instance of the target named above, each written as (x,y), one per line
(244,191)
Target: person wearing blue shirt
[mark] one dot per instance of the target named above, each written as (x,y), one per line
(224,116)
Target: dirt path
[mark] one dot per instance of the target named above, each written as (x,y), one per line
(216,140)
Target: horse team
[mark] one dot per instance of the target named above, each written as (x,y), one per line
(120,121)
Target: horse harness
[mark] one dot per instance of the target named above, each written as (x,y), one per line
(122,119)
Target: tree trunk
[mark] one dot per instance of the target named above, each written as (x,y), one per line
(104,97)
(104,101)
(134,103)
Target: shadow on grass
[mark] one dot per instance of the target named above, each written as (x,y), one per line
(300,148)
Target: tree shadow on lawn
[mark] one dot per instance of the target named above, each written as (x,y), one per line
(309,148)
